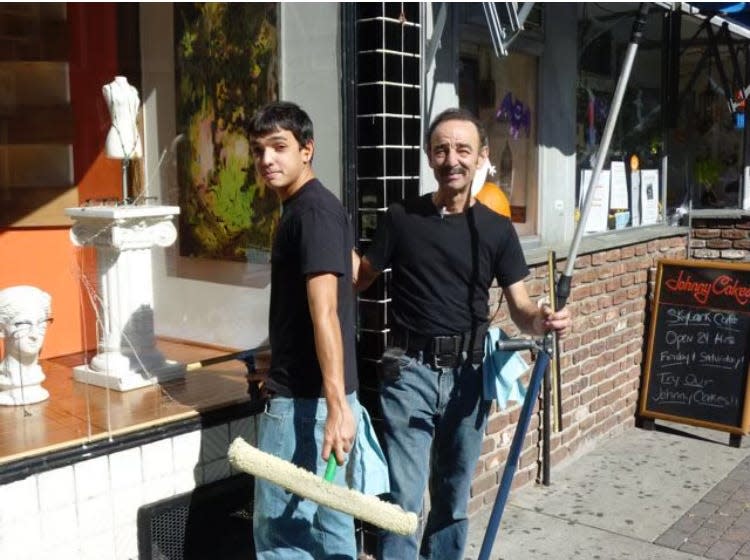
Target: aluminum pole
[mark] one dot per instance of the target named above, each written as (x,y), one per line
(563,286)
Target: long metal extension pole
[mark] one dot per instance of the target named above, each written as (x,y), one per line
(563,291)
(563,286)
(540,367)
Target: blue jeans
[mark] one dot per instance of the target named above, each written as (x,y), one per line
(433,427)
(286,526)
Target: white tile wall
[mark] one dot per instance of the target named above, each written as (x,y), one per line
(215,470)
(56,488)
(125,468)
(157,489)
(184,481)
(67,551)
(18,499)
(125,504)
(23,536)
(187,450)
(95,515)
(214,443)
(89,509)
(126,542)
(98,547)
(59,526)
(244,428)
(157,459)
(92,477)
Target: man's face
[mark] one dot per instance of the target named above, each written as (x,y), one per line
(279,159)
(455,154)
(24,334)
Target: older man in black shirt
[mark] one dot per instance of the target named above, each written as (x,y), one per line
(445,249)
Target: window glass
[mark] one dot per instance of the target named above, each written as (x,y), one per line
(679,135)
(706,134)
(628,192)
(502,92)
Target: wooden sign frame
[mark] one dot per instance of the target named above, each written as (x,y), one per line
(692,291)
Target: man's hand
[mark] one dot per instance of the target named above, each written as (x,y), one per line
(365,274)
(340,431)
(533,319)
(558,321)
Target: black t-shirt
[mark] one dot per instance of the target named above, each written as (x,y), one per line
(314,235)
(443,266)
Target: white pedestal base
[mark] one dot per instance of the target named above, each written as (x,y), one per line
(28,394)
(128,380)
(124,237)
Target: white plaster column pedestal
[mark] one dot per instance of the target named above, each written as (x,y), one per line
(123,237)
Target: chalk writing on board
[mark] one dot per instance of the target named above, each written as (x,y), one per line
(691,318)
(699,345)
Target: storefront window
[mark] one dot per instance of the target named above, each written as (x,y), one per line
(502,92)
(628,192)
(705,137)
(678,142)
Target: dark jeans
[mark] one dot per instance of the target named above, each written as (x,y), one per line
(433,429)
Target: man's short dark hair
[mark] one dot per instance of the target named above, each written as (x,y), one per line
(282,115)
(456,114)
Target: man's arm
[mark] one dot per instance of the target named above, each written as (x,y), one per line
(340,428)
(532,319)
(356,260)
(364,273)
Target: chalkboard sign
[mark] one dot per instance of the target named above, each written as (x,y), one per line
(698,347)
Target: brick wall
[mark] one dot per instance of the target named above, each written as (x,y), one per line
(721,239)
(600,361)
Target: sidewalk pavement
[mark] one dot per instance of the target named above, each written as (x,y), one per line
(674,493)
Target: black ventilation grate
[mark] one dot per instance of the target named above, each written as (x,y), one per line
(212,521)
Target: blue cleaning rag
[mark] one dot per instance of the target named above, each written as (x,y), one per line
(369,471)
(502,371)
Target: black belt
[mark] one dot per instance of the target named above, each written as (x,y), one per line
(444,351)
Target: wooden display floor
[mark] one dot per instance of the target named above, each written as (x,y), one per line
(77,413)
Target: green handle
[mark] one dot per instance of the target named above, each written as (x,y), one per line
(330,468)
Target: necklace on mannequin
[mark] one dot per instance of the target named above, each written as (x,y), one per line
(127,154)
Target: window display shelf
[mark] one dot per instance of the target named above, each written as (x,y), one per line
(77,415)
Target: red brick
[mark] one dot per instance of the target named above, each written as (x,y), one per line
(612,284)
(719,243)
(483,483)
(627,280)
(613,255)
(605,272)
(580,292)
(627,252)
(588,395)
(619,297)
(734,234)
(497,423)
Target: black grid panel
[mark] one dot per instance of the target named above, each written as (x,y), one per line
(388,137)
(388,111)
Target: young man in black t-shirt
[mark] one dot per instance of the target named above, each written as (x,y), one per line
(444,250)
(313,409)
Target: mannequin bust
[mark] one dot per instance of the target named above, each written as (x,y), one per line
(24,317)
(123,140)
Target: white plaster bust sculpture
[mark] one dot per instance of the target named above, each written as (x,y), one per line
(24,317)
(123,102)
